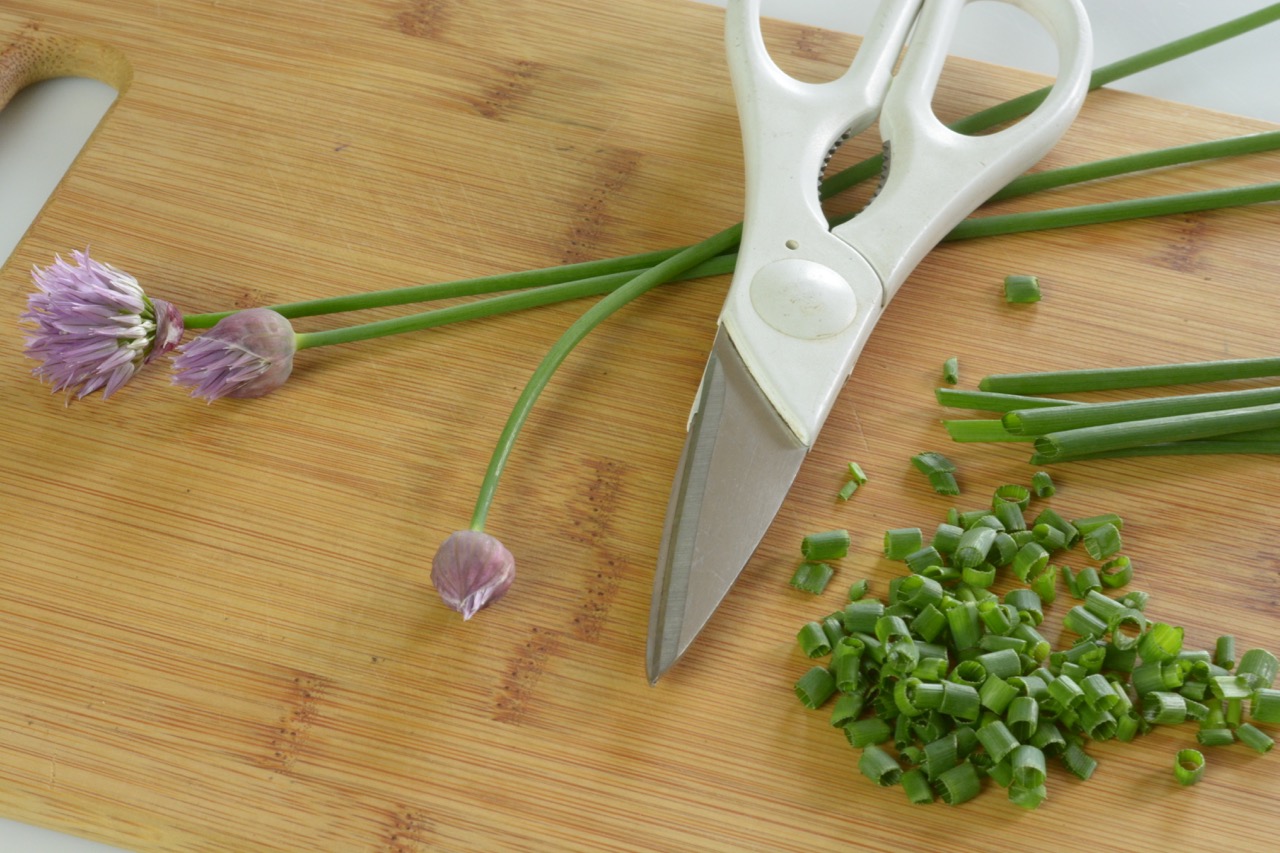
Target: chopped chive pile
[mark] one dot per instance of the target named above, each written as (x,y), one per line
(947,687)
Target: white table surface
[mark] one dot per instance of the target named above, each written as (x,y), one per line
(43,129)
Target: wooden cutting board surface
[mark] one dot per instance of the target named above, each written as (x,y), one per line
(217,630)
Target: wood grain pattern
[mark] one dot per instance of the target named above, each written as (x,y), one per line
(216,626)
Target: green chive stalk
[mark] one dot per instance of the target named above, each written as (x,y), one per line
(663,272)
(1178,155)
(1142,376)
(1114,211)
(536,296)
(1117,436)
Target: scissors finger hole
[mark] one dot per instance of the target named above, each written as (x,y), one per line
(1023,42)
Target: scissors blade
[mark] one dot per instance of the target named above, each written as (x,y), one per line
(738,463)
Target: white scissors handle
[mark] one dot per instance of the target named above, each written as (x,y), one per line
(937,176)
(805,297)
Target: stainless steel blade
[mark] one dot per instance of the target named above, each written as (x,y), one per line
(738,463)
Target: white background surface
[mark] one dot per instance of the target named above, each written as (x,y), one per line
(42,130)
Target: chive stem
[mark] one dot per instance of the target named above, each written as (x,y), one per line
(1111,167)
(607,305)
(519,301)
(1154,430)
(451,289)
(1040,421)
(1115,378)
(1113,211)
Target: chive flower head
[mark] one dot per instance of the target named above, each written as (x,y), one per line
(247,354)
(94,326)
(471,571)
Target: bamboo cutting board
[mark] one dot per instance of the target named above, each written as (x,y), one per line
(216,623)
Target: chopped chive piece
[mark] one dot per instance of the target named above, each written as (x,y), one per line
(1015,493)
(856,474)
(959,784)
(995,694)
(829,545)
(951,370)
(1010,518)
(1027,798)
(858,589)
(918,591)
(812,577)
(1092,522)
(815,687)
(930,461)
(879,766)
(944,483)
(848,707)
(1116,573)
(1044,583)
(946,538)
(1042,484)
(1081,583)
(1066,692)
(979,577)
(860,617)
(1102,541)
(1162,708)
(1215,737)
(1161,642)
(1028,603)
(1224,654)
(1048,537)
(869,731)
(922,560)
(1021,289)
(965,624)
(973,546)
(1028,765)
(1260,666)
(1188,766)
(941,753)
(1077,761)
(1084,623)
(916,786)
(1254,738)
(1050,517)
(847,490)
(1264,706)
(901,541)
(997,740)
(1030,558)
(813,640)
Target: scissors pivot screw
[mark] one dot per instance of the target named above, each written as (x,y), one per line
(802,298)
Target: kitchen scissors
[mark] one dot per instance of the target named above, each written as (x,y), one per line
(805,296)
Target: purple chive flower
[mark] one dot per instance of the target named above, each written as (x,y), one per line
(94,326)
(471,571)
(247,354)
